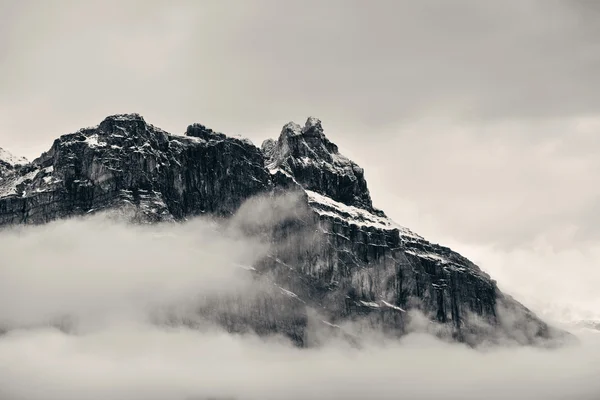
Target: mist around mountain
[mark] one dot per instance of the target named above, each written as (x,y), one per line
(115,318)
(206,294)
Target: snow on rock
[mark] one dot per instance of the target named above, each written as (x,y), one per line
(288,293)
(28,181)
(370,304)
(11,159)
(93,141)
(324,205)
(10,185)
(428,255)
(381,305)
(330,324)
(385,303)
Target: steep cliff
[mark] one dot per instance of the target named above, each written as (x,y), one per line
(336,254)
(126,163)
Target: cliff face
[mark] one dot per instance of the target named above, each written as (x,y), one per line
(315,163)
(127,163)
(337,254)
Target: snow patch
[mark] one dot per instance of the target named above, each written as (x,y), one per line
(370,304)
(9,187)
(93,141)
(330,324)
(385,303)
(429,256)
(354,215)
(288,293)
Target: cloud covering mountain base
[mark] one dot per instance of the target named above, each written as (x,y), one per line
(87,307)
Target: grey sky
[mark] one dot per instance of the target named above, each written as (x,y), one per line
(475,121)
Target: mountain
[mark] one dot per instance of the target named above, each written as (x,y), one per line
(9,162)
(335,255)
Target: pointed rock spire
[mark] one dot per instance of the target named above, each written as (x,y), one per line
(123,123)
(315,162)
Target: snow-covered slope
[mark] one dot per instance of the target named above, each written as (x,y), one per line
(326,206)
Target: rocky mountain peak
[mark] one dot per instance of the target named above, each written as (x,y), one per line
(123,123)
(313,161)
(308,141)
(125,117)
(291,129)
(202,132)
(313,127)
(10,160)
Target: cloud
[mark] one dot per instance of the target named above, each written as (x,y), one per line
(146,362)
(94,268)
(114,278)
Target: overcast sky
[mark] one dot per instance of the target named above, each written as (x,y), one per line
(476,121)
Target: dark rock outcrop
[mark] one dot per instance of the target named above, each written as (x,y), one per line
(315,162)
(127,163)
(335,254)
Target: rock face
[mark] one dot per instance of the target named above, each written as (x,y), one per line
(336,255)
(126,163)
(315,163)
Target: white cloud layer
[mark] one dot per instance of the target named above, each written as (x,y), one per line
(112,276)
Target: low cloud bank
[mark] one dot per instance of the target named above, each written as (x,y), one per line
(106,281)
(146,362)
(95,268)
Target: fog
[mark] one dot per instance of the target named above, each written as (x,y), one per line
(145,362)
(79,300)
(98,268)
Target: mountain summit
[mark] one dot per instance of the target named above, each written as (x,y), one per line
(315,163)
(351,264)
